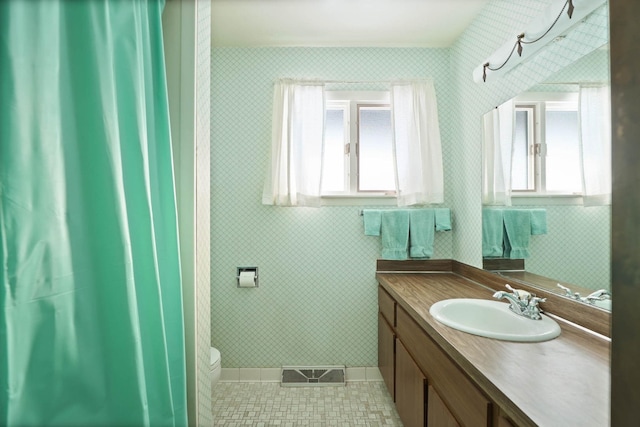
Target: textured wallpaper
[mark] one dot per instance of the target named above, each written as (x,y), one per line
(317,299)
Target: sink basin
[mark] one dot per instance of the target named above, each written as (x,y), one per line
(493,319)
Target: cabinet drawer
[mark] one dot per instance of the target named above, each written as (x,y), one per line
(466,402)
(387,306)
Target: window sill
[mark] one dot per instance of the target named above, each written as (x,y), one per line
(546,199)
(359,200)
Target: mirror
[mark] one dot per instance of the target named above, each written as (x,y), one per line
(575,249)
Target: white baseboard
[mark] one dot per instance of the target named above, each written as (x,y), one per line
(272,375)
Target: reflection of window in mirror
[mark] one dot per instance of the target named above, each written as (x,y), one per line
(524,164)
(546,145)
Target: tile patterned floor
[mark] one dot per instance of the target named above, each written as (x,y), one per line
(364,403)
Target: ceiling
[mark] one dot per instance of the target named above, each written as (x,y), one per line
(336,23)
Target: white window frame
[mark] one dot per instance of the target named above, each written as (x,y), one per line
(540,102)
(534,142)
(350,101)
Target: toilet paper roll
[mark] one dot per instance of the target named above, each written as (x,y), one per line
(247,279)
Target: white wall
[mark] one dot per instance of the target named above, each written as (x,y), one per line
(187,29)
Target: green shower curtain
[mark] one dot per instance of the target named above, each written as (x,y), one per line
(91,327)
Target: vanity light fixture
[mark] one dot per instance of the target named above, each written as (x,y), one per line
(555,20)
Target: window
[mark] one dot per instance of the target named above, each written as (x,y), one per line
(361,158)
(546,145)
(358,151)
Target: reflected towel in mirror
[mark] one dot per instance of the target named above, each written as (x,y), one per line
(492,233)
(517,226)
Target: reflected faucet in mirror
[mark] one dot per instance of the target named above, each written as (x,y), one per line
(599,295)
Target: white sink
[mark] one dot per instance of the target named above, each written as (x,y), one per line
(493,319)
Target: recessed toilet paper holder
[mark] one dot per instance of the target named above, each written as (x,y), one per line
(249,273)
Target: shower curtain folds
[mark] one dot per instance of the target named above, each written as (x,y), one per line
(91,322)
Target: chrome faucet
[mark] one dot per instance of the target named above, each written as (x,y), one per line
(522,302)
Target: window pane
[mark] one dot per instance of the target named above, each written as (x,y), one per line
(563,151)
(333,171)
(522,168)
(375,161)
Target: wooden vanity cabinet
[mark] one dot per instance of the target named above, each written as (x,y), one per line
(470,407)
(474,381)
(387,340)
(428,387)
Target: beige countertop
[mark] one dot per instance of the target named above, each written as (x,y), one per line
(562,382)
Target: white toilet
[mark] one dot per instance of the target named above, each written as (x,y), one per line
(215,367)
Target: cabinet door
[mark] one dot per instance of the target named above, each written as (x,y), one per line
(410,389)
(463,398)
(386,354)
(438,415)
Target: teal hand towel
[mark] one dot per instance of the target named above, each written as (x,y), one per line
(517,225)
(371,219)
(443,219)
(492,233)
(421,232)
(538,221)
(394,233)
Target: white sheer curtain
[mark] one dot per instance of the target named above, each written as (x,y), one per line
(595,129)
(497,143)
(417,147)
(296,144)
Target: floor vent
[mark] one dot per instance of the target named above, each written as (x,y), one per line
(295,376)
